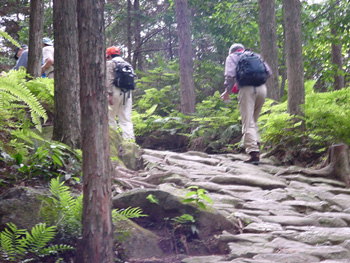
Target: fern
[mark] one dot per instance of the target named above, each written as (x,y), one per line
(18,244)
(63,210)
(9,38)
(127,213)
(13,93)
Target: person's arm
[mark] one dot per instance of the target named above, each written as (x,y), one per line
(110,74)
(22,61)
(46,65)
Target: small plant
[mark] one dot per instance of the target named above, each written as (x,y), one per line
(152,199)
(197,196)
(19,244)
(49,160)
(63,210)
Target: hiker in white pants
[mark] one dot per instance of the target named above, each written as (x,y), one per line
(251,100)
(120,104)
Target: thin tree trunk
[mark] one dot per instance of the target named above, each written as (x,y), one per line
(268,45)
(188,96)
(137,64)
(129,31)
(97,241)
(295,69)
(36,24)
(66,125)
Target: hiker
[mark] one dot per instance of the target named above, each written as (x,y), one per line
(120,102)
(250,98)
(48,58)
(21,55)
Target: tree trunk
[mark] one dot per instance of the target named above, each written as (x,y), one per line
(137,64)
(295,69)
(268,45)
(337,57)
(129,31)
(188,96)
(36,24)
(97,240)
(66,125)
(338,166)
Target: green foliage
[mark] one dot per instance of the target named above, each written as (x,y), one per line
(197,196)
(19,244)
(326,120)
(152,199)
(63,210)
(6,36)
(50,159)
(127,213)
(16,99)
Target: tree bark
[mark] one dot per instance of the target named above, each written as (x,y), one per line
(66,125)
(295,69)
(97,240)
(338,165)
(188,96)
(36,24)
(268,45)
(137,61)
(129,31)
(337,57)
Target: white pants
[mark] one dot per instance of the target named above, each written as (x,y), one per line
(123,112)
(251,99)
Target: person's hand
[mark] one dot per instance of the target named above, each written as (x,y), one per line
(225,96)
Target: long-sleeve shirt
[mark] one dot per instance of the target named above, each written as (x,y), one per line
(22,61)
(230,70)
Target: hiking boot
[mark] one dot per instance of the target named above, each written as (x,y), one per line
(254,158)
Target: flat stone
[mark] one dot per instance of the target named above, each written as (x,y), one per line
(305,206)
(319,235)
(288,258)
(253,238)
(247,250)
(265,182)
(290,220)
(267,205)
(204,259)
(262,227)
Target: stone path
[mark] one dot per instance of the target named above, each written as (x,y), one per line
(289,218)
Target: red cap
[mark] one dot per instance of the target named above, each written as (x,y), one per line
(112,51)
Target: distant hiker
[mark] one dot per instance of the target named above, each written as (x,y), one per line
(21,55)
(119,92)
(48,58)
(247,75)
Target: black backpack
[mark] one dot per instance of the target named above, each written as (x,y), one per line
(251,70)
(124,76)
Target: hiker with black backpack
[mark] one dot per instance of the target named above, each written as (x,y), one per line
(246,74)
(120,83)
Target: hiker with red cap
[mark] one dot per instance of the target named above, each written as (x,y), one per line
(120,104)
(246,74)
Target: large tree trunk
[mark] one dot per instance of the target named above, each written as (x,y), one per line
(295,69)
(268,45)
(66,125)
(188,96)
(36,23)
(337,165)
(97,241)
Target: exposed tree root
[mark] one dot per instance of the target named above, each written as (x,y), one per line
(338,165)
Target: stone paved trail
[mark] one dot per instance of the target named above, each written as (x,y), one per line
(287,218)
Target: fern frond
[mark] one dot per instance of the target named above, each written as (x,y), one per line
(9,38)
(128,213)
(10,84)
